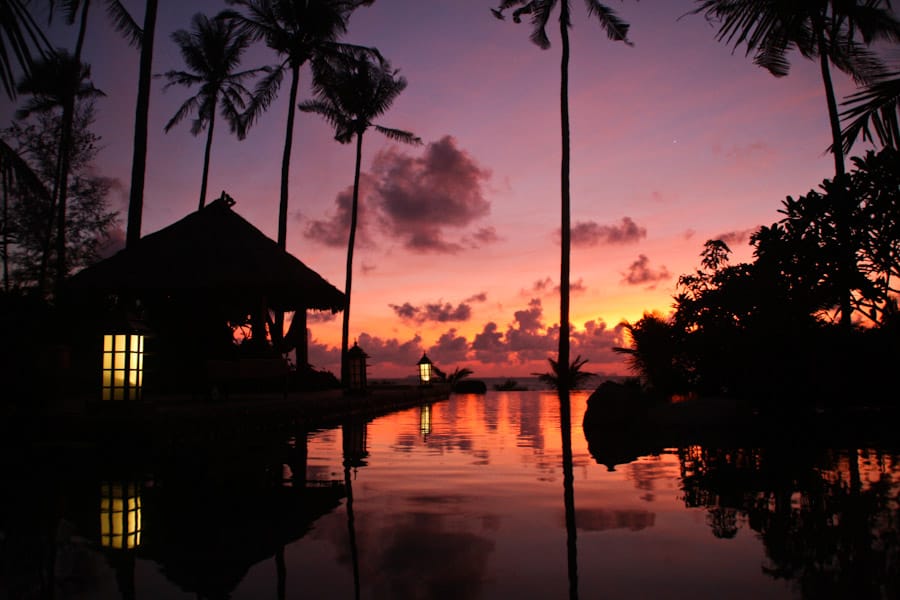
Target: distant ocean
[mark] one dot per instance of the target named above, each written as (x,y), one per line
(530,383)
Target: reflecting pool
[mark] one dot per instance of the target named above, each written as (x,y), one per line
(462,498)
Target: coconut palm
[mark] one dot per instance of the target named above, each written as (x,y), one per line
(834,32)
(875,107)
(20,40)
(837,33)
(298,31)
(351,91)
(57,83)
(540,12)
(212,51)
(141,113)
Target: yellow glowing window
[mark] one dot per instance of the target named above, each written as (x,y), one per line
(123,364)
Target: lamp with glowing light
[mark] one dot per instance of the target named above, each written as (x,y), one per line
(123,366)
(120,516)
(356,368)
(426,370)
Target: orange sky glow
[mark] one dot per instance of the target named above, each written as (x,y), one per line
(675,141)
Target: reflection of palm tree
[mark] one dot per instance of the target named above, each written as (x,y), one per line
(615,29)
(351,91)
(826,30)
(57,82)
(212,52)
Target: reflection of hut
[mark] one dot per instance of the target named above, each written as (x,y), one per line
(202,276)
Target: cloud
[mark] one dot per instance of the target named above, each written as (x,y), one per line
(640,273)
(335,229)
(450,348)
(420,198)
(488,345)
(546,286)
(733,238)
(320,316)
(440,312)
(589,233)
(391,350)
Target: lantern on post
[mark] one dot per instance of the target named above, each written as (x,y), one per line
(356,368)
(123,361)
(426,369)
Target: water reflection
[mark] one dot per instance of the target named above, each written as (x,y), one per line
(469,508)
(829,519)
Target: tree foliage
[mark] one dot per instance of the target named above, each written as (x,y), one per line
(768,327)
(89,220)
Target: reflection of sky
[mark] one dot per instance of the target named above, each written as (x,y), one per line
(474,506)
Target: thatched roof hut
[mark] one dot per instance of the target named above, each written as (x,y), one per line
(212,252)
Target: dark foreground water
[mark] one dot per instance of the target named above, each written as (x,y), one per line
(460,499)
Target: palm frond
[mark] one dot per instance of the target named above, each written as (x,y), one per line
(18,172)
(873,109)
(616,29)
(21,42)
(399,135)
(124,23)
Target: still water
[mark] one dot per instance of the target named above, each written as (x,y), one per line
(459,499)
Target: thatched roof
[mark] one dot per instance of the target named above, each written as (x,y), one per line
(212,251)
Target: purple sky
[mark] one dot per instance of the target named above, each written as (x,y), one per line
(674,141)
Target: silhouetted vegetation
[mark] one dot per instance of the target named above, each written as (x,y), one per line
(827,528)
(351,91)
(766,330)
(615,29)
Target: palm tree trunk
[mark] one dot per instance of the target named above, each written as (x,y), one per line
(843,212)
(354,210)
(5,185)
(206,153)
(565,409)
(139,160)
(65,151)
(565,241)
(286,157)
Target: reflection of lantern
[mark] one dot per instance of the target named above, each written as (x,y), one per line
(123,366)
(426,369)
(356,368)
(425,420)
(120,516)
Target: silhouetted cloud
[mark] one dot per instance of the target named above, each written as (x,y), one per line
(546,286)
(640,273)
(391,350)
(441,312)
(488,345)
(527,336)
(589,233)
(420,198)
(320,316)
(450,348)
(735,238)
(335,229)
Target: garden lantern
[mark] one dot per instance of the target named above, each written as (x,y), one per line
(426,369)
(356,368)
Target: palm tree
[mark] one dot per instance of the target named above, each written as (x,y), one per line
(57,83)
(617,30)
(142,110)
(212,51)
(351,91)
(298,31)
(875,107)
(827,30)
(20,39)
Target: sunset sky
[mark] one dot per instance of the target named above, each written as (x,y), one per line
(674,141)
